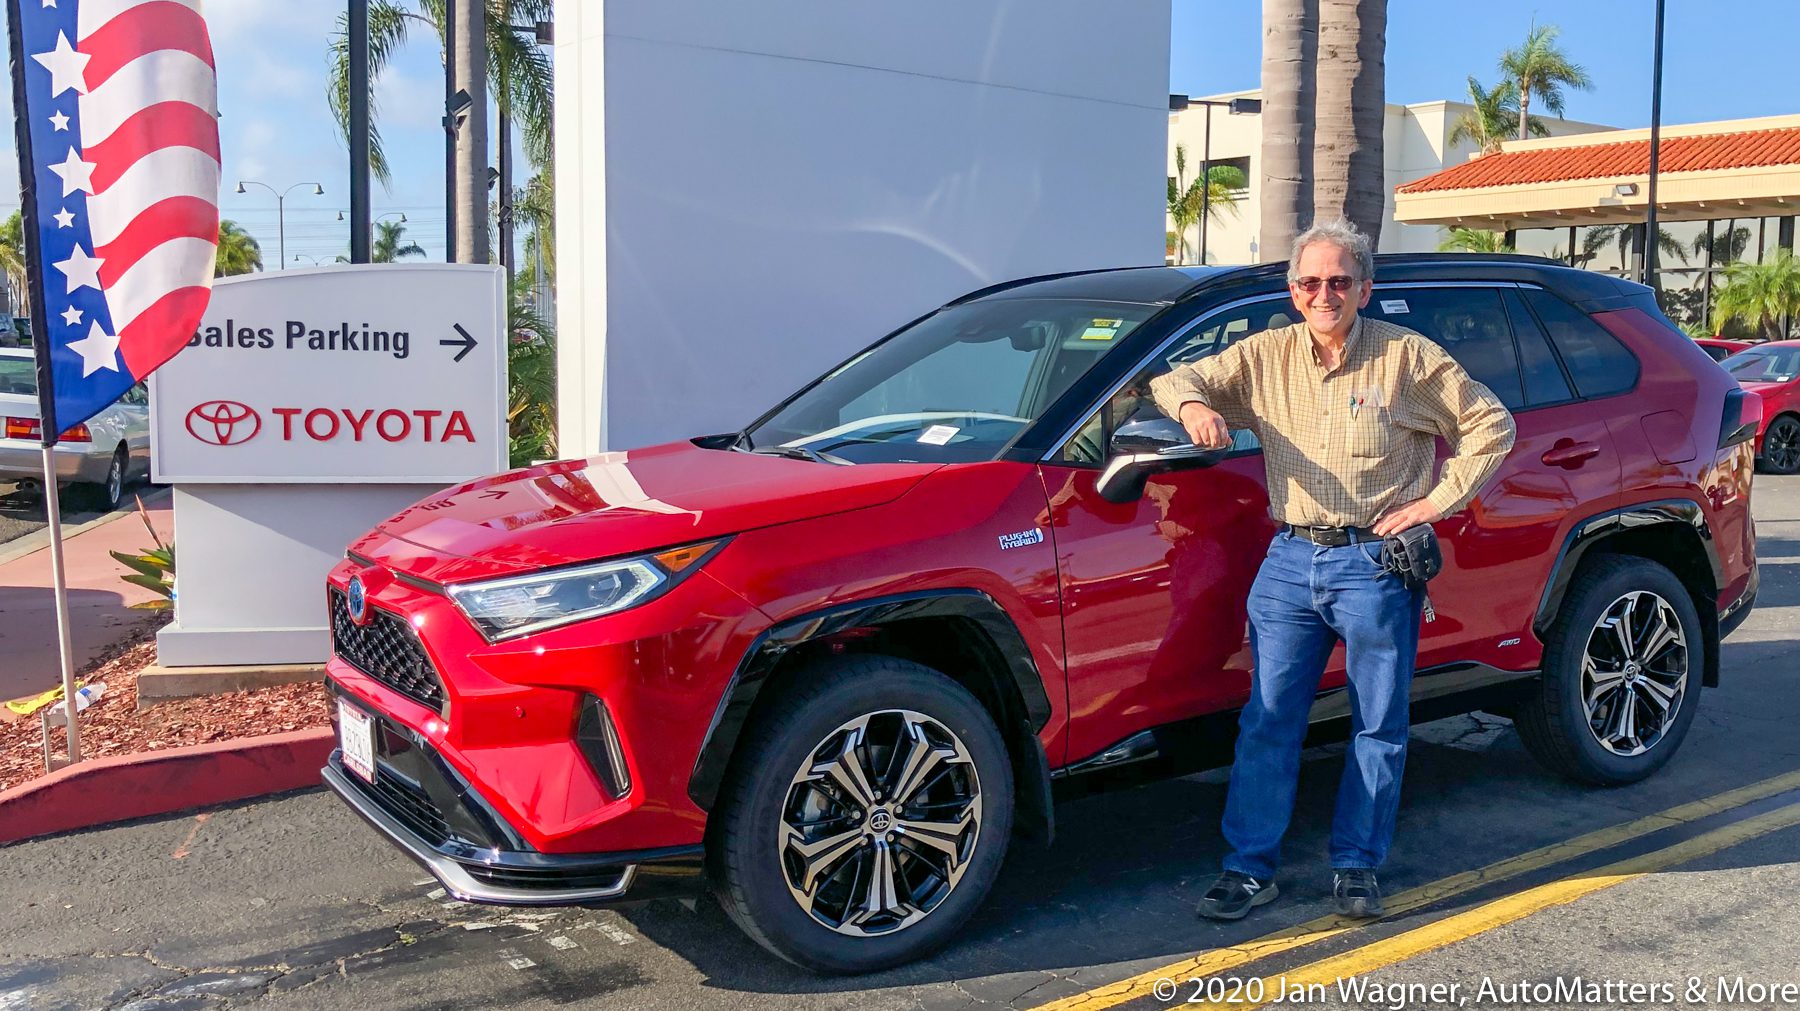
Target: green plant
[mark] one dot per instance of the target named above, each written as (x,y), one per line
(1493,117)
(1760,295)
(531,379)
(153,568)
(1475,240)
(239,252)
(1217,194)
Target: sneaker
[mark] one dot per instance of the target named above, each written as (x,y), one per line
(1356,892)
(1234,894)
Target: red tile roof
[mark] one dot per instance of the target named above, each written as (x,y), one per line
(1626,158)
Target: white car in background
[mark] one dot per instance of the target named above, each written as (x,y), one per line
(98,458)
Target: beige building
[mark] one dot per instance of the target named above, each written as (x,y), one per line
(1416,144)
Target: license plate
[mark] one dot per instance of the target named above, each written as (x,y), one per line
(356,738)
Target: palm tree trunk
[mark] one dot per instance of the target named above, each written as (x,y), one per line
(503,126)
(1524,108)
(1350,111)
(1289,75)
(470,44)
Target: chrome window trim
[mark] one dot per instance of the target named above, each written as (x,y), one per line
(1051,455)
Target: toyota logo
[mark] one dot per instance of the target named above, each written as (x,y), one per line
(358,601)
(223,422)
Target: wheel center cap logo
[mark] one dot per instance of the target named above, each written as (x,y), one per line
(1633,670)
(880,821)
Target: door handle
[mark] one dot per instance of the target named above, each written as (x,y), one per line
(1569,454)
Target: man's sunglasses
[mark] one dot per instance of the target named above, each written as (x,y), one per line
(1338,282)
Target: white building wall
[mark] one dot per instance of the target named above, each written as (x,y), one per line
(756,190)
(1415,142)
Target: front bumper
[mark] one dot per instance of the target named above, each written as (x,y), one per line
(433,815)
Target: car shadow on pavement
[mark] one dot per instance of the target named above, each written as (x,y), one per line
(1117,891)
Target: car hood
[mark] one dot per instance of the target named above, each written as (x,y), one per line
(1761,388)
(618,503)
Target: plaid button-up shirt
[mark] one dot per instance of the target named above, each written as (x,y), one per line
(1344,446)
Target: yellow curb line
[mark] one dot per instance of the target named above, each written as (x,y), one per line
(1500,912)
(1218,960)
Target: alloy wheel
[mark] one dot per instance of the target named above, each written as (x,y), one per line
(1781,445)
(1634,673)
(880,823)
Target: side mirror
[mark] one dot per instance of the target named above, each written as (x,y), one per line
(1152,446)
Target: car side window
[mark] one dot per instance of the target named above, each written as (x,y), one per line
(1597,362)
(1545,382)
(1470,323)
(1213,334)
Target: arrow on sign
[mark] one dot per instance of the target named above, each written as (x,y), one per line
(467,343)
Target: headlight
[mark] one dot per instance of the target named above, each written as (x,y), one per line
(520,605)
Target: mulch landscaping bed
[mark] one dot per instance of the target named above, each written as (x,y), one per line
(113,725)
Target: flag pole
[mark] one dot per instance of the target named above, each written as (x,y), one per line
(40,343)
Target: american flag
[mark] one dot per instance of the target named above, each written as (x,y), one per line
(118,100)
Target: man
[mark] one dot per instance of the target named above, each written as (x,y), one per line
(1349,411)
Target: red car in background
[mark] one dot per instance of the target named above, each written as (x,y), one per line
(1771,371)
(829,663)
(1720,348)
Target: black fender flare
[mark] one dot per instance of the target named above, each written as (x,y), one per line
(753,671)
(1585,535)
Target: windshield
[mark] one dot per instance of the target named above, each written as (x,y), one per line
(18,375)
(1764,365)
(954,388)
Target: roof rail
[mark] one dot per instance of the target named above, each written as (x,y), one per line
(1021,281)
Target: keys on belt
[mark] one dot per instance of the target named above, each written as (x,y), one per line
(1334,537)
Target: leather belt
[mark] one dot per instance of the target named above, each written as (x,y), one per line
(1333,537)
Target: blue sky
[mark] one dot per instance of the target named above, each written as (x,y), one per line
(1724,59)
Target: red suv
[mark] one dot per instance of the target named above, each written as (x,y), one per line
(832,662)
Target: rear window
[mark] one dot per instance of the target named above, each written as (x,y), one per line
(18,375)
(1597,362)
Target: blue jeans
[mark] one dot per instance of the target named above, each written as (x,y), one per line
(1305,599)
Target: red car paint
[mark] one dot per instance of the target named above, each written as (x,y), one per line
(1134,619)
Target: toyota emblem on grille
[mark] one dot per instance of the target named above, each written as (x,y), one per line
(223,422)
(358,601)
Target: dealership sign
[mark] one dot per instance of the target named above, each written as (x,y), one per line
(388,374)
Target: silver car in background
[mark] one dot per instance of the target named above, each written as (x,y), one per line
(97,458)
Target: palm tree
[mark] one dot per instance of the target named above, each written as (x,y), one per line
(12,262)
(1541,70)
(1350,111)
(1289,84)
(520,78)
(1475,240)
(1761,295)
(1188,199)
(239,252)
(387,246)
(1493,117)
(1728,244)
(534,205)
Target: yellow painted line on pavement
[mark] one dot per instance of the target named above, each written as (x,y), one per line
(1325,927)
(1500,912)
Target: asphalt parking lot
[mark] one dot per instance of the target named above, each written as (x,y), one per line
(22,513)
(1501,873)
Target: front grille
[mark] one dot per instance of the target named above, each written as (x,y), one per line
(385,650)
(411,806)
(545,878)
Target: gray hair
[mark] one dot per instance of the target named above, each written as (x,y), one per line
(1341,234)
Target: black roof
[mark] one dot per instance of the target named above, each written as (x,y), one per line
(1164,285)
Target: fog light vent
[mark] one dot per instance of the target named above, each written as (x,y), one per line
(599,742)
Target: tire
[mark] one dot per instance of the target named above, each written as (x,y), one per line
(779,796)
(1559,726)
(1781,446)
(109,492)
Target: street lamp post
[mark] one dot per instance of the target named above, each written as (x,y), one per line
(280,208)
(1650,231)
(1236,107)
